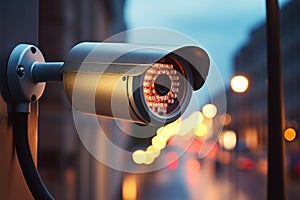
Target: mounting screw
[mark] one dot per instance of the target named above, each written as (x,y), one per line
(33,98)
(20,71)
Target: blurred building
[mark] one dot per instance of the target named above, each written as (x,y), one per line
(68,170)
(249,109)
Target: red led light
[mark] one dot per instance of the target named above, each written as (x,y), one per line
(161,86)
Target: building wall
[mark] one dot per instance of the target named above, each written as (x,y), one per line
(67,168)
(13,22)
(250,109)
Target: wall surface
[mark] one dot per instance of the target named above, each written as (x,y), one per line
(18,23)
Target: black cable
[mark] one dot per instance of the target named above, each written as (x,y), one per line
(29,170)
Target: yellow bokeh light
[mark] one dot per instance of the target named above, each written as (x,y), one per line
(149,160)
(163,134)
(190,123)
(201,130)
(209,110)
(159,142)
(195,118)
(139,156)
(162,131)
(200,117)
(290,134)
(170,129)
(153,152)
(239,84)
(228,140)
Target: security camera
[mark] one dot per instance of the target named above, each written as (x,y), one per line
(148,84)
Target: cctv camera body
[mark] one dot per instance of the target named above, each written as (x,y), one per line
(149,84)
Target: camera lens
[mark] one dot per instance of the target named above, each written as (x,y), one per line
(162,84)
(162,87)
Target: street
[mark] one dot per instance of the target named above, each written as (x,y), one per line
(196,180)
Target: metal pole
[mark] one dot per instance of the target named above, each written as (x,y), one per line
(276,148)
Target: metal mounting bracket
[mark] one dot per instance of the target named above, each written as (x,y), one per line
(22,88)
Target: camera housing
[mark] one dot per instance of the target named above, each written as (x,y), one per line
(148,84)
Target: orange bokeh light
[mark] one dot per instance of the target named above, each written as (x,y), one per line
(290,134)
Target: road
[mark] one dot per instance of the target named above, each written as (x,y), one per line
(192,181)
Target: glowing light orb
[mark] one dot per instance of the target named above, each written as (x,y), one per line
(153,152)
(209,110)
(228,140)
(290,134)
(139,156)
(201,130)
(239,84)
(159,142)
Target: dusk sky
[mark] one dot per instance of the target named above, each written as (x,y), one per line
(221,27)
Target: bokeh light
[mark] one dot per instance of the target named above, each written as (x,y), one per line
(209,110)
(170,129)
(225,119)
(159,142)
(153,152)
(139,156)
(129,188)
(149,159)
(228,140)
(189,124)
(193,124)
(239,84)
(201,130)
(290,134)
